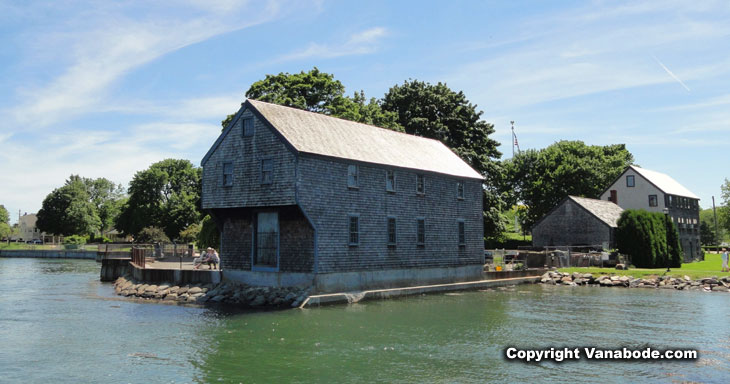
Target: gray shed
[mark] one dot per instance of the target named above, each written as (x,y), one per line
(578,221)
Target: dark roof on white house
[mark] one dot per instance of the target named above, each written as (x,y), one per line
(604,210)
(664,182)
(315,133)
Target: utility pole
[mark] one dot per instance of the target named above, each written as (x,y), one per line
(714,213)
(513,138)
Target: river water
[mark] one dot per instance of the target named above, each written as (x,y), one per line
(59,324)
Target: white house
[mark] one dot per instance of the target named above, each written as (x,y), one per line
(639,188)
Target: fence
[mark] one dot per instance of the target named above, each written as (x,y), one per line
(559,257)
(143,254)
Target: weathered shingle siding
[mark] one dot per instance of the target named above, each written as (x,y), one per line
(246,154)
(296,242)
(570,224)
(325,197)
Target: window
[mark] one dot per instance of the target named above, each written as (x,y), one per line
(462,234)
(460,190)
(247,127)
(420,231)
(391,231)
(629,180)
(354,230)
(227,174)
(390,181)
(352,176)
(420,184)
(267,170)
(652,201)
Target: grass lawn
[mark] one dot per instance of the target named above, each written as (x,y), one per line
(517,236)
(711,266)
(38,247)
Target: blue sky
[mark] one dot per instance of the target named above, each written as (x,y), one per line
(104,89)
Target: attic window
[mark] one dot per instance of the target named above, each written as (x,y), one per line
(460,190)
(630,181)
(420,184)
(248,127)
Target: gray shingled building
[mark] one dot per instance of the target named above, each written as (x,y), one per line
(306,199)
(578,221)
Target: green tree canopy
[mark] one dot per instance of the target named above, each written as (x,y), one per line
(166,195)
(542,178)
(209,235)
(319,92)
(68,210)
(437,112)
(4,215)
(723,214)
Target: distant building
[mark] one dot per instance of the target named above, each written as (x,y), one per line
(306,199)
(27,229)
(639,188)
(578,221)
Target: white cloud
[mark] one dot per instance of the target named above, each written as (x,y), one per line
(357,44)
(102,50)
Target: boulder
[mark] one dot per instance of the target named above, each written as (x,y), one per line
(258,301)
(621,267)
(195,290)
(171,296)
(183,290)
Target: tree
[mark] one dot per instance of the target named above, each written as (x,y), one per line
(68,211)
(106,196)
(437,112)
(724,211)
(209,235)
(319,92)
(190,234)
(649,238)
(166,195)
(707,234)
(542,178)
(4,215)
(151,235)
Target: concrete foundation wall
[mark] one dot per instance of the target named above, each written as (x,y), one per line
(49,254)
(174,276)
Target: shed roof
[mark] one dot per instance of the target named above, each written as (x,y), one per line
(320,134)
(604,210)
(664,182)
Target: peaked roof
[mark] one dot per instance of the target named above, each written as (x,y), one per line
(604,210)
(664,182)
(319,134)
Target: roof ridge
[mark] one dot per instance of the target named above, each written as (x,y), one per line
(350,121)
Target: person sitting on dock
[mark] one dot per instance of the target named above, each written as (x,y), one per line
(198,260)
(211,258)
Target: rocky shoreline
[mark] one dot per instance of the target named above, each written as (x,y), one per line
(708,284)
(224,293)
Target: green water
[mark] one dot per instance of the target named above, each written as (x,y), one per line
(59,324)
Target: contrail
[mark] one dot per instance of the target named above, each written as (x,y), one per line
(671,74)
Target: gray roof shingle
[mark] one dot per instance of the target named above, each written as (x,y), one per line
(606,211)
(319,134)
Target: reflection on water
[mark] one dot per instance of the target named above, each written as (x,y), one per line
(56,326)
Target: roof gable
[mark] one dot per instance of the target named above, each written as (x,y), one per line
(604,210)
(319,134)
(664,182)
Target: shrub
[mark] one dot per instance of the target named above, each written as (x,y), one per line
(152,235)
(74,239)
(649,238)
